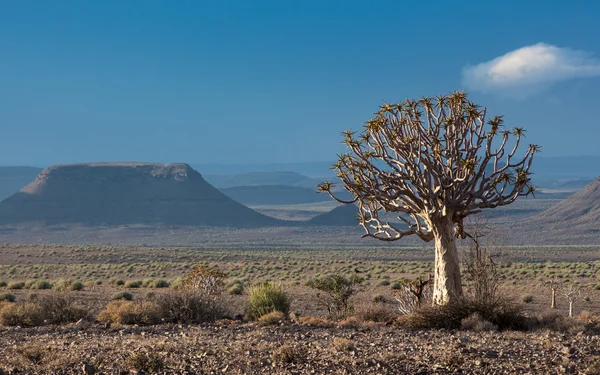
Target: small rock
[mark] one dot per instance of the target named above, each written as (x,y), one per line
(490,354)
(89,369)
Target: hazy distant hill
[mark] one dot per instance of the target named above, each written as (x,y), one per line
(12,179)
(126,193)
(344,215)
(274,195)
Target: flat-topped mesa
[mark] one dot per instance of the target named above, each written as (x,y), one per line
(126,193)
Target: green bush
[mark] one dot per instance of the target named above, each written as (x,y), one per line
(122,295)
(76,286)
(3,284)
(63,285)
(16,285)
(237,289)
(7,297)
(265,298)
(527,298)
(133,284)
(161,283)
(38,285)
(338,290)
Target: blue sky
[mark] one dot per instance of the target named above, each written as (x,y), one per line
(263,81)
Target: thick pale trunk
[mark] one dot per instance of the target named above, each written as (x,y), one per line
(553,306)
(447,286)
(570,309)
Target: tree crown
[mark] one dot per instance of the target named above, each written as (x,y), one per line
(431,159)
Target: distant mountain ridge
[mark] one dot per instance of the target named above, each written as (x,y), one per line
(14,178)
(126,193)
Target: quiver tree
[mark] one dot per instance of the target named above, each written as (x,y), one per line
(433,162)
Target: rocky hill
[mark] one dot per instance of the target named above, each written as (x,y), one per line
(581,209)
(14,178)
(344,215)
(126,193)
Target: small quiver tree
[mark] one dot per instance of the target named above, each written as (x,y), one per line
(433,162)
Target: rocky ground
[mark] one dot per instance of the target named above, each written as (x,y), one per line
(250,348)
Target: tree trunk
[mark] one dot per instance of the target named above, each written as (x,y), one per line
(553,306)
(447,286)
(570,309)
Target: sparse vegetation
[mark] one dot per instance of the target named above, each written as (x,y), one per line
(265,298)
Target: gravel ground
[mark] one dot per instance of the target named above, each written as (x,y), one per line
(249,348)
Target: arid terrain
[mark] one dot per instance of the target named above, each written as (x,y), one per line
(373,340)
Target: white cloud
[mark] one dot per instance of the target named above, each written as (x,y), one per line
(530,69)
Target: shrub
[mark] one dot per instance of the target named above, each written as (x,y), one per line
(149,362)
(285,354)
(128,312)
(503,313)
(76,286)
(37,310)
(236,289)
(63,285)
(312,321)
(118,282)
(205,280)
(133,284)
(3,284)
(337,293)
(527,298)
(272,318)
(554,321)
(343,345)
(189,306)
(396,285)
(16,285)
(265,298)
(374,312)
(122,295)
(476,323)
(38,285)
(7,297)
(161,283)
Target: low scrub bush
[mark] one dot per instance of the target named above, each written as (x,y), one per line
(311,321)
(160,283)
(54,308)
(16,285)
(129,312)
(477,324)
(38,285)
(63,285)
(503,313)
(133,284)
(374,312)
(189,306)
(527,298)
(7,297)
(272,318)
(554,321)
(3,284)
(265,298)
(147,362)
(122,295)
(335,292)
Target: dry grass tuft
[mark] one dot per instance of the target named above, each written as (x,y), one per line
(272,318)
